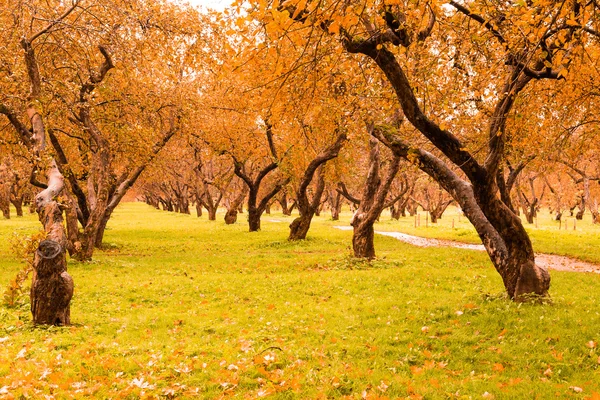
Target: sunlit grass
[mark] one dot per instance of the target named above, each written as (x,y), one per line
(177,306)
(578,239)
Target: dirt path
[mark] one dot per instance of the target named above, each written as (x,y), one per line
(548,261)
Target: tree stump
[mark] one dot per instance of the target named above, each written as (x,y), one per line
(52,286)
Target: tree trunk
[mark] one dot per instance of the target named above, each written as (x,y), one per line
(395,211)
(363,240)
(254,219)
(371,203)
(283,201)
(335,204)
(233,209)
(299,227)
(198,209)
(212,214)
(506,242)
(307,207)
(18,203)
(231,216)
(412,208)
(51,287)
(101,229)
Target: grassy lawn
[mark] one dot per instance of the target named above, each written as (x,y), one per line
(180,307)
(583,242)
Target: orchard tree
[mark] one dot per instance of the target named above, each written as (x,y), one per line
(527,46)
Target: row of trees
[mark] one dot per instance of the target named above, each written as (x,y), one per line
(284,100)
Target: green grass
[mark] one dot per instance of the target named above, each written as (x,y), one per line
(177,306)
(582,243)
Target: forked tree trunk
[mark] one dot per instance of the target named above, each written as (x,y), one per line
(255,206)
(308,207)
(371,203)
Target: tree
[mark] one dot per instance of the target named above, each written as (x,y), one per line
(543,55)
(372,202)
(52,286)
(530,204)
(307,207)
(256,203)
(435,201)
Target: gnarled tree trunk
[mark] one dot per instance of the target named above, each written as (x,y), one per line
(372,203)
(307,208)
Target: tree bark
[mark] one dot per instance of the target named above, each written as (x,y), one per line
(372,203)
(255,206)
(335,204)
(307,207)
(515,265)
(233,209)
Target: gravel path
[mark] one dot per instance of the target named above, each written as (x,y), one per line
(548,261)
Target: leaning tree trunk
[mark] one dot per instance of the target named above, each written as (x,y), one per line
(507,243)
(102,229)
(300,226)
(51,286)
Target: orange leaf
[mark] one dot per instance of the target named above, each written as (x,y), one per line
(498,367)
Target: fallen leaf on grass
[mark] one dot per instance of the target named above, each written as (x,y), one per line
(498,367)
